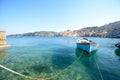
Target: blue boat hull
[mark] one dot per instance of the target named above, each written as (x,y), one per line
(87,47)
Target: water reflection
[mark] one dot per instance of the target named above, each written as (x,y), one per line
(3,54)
(87,61)
(117,52)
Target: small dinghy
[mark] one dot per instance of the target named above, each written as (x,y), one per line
(86,45)
(118,45)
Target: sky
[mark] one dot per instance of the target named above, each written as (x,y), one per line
(21,16)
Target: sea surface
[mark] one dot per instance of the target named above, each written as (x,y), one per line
(58,58)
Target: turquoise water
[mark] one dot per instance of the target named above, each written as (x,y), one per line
(43,57)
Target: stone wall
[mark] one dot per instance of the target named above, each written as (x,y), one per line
(2,37)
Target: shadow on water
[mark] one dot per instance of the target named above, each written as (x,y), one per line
(117,52)
(62,58)
(86,60)
(3,54)
(89,63)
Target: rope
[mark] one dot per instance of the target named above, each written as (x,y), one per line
(19,74)
(64,69)
(29,77)
(99,69)
(14,72)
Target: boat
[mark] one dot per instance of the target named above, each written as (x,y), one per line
(118,45)
(86,45)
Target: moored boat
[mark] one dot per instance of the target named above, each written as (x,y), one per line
(118,45)
(86,45)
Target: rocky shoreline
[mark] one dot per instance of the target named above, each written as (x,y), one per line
(108,30)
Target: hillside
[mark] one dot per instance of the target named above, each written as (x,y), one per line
(39,33)
(107,30)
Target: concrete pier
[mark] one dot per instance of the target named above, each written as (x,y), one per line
(3,43)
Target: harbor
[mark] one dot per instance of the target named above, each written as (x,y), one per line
(28,57)
(59,40)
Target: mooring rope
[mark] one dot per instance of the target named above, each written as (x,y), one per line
(10,70)
(29,77)
(65,68)
(99,69)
